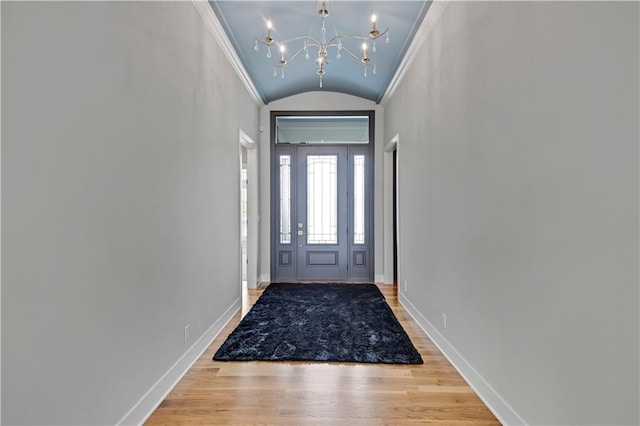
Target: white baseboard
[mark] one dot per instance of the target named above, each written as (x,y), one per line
(139,413)
(379,278)
(494,401)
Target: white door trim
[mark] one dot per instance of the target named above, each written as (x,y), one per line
(389,147)
(252,211)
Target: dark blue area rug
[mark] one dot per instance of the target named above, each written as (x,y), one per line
(320,322)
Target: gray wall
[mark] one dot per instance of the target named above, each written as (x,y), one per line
(518,167)
(120,203)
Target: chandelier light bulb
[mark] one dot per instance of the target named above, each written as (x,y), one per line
(324,12)
(268,39)
(374,33)
(365,58)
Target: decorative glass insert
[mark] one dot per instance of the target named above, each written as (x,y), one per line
(358,199)
(285,199)
(312,130)
(322,199)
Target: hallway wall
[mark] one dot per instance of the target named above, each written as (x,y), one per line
(518,173)
(120,210)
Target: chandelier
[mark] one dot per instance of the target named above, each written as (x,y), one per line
(320,48)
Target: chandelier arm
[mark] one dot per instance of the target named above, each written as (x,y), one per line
(294,56)
(337,37)
(356,37)
(330,43)
(264,42)
(306,38)
(380,35)
(310,41)
(353,55)
(296,39)
(364,38)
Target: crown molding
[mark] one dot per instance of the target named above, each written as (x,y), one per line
(428,24)
(214,25)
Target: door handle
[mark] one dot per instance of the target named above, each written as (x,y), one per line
(300,225)
(300,232)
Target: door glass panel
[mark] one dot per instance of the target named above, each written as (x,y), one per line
(322,199)
(358,199)
(285,199)
(310,130)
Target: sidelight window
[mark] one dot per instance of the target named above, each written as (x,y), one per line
(358,199)
(285,199)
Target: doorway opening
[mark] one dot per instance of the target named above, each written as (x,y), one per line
(391,219)
(243,216)
(322,196)
(395,217)
(248,215)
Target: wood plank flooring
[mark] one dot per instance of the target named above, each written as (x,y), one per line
(300,393)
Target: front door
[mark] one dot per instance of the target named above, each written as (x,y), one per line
(323,213)
(321,227)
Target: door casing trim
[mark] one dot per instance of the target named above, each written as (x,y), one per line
(274,233)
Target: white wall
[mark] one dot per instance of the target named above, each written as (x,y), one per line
(518,155)
(120,214)
(318,101)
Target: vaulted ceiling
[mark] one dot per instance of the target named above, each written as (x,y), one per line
(246,21)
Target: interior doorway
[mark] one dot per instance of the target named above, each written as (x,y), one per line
(243,215)
(391,218)
(395,217)
(248,211)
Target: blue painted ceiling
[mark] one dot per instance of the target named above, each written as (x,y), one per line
(244,21)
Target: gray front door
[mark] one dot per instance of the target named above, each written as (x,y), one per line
(322,210)
(321,227)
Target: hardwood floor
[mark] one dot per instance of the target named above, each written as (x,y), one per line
(300,393)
